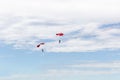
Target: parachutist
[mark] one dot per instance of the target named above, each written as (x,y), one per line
(59,34)
(42,50)
(40,45)
(59,41)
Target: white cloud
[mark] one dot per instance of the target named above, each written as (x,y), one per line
(27,33)
(111,65)
(90,68)
(24,23)
(81,11)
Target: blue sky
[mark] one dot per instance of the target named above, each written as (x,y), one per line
(90,48)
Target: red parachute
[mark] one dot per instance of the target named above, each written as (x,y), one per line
(40,45)
(59,34)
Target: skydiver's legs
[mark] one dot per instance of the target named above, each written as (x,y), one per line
(42,50)
(59,41)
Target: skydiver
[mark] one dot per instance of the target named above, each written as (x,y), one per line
(42,50)
(59,41)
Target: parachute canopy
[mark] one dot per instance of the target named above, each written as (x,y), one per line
(59,34)
(40,44)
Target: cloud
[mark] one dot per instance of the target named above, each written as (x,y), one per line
(82,69)
(90,68)
(26,33)
(79,11)
(115,65)
(88,25)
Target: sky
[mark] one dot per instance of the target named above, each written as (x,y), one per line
(89,49)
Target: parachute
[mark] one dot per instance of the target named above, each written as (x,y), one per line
(59,34)
(41,45)
(38,45)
